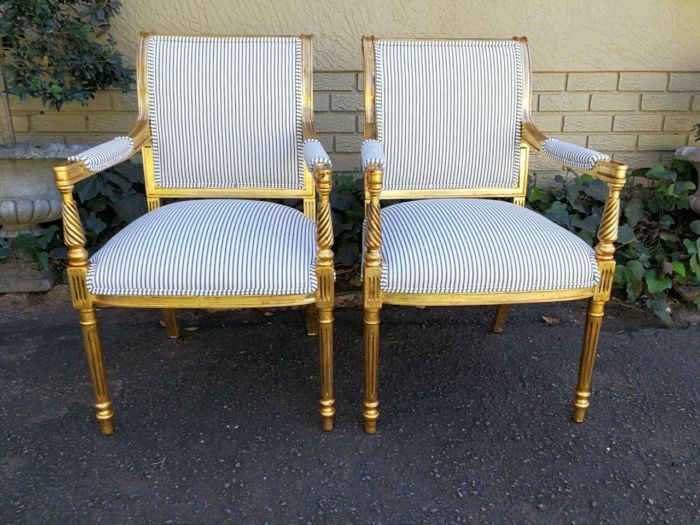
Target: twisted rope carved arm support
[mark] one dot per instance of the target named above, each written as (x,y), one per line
(373,236)
(67,174)
(324,233)
(613,174)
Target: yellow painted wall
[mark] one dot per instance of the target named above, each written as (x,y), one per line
(566,35)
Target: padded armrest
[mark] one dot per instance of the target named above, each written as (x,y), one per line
(571,154)
(315,154)
(372,153)
(107,154)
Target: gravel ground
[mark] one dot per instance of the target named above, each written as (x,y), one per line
(221,425)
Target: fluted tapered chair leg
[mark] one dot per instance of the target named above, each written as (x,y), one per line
(311,313)
(594,319)
(499,318)
(93,352)
(171,327)
(325,330)
(371,403)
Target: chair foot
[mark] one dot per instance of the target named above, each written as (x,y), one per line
(107,427)
(371,426)
(105,416)
(499,318)
(171,327)
(371,415)
(327,414)
(311,319)
(579,415)
(93,352)
(327,423)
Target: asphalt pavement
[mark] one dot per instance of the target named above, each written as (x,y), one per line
(221,425)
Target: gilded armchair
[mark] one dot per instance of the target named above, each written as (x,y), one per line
(222,121)
(448,121)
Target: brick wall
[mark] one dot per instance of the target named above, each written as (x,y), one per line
(639,118)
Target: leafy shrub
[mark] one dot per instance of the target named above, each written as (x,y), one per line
(658,245)
(60,51)
(347,203)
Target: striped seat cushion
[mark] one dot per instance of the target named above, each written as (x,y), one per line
(475,245)
(449,113)
(226,112)
(209,247)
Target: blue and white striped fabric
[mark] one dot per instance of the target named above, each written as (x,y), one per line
(209,247)
(479,245)
(107,154)
(449,113)
(372,153)
(226,112)
(571,154)
(314,153)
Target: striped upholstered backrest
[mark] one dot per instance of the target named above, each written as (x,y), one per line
(226,112)
(449,112)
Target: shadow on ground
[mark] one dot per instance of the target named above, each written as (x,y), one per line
(222,424)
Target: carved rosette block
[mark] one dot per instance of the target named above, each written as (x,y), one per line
(153,203)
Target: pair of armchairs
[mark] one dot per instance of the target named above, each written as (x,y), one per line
(224,121)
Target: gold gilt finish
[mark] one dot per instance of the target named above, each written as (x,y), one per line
(611,172)
(318,305)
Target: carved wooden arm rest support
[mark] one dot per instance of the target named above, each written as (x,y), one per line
(374,175)
(324,183)
(324,241)
(373,165)
(68,173)
(613,174)
(605,169)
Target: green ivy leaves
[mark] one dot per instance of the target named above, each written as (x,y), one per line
(35,248)
(348,214)
(658,240)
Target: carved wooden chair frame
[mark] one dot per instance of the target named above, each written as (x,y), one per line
(611,172)
(319,305)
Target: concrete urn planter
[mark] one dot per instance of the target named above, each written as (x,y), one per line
(692,155)
(28,195)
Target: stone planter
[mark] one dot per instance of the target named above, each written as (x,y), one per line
(692,155)
(28,195)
